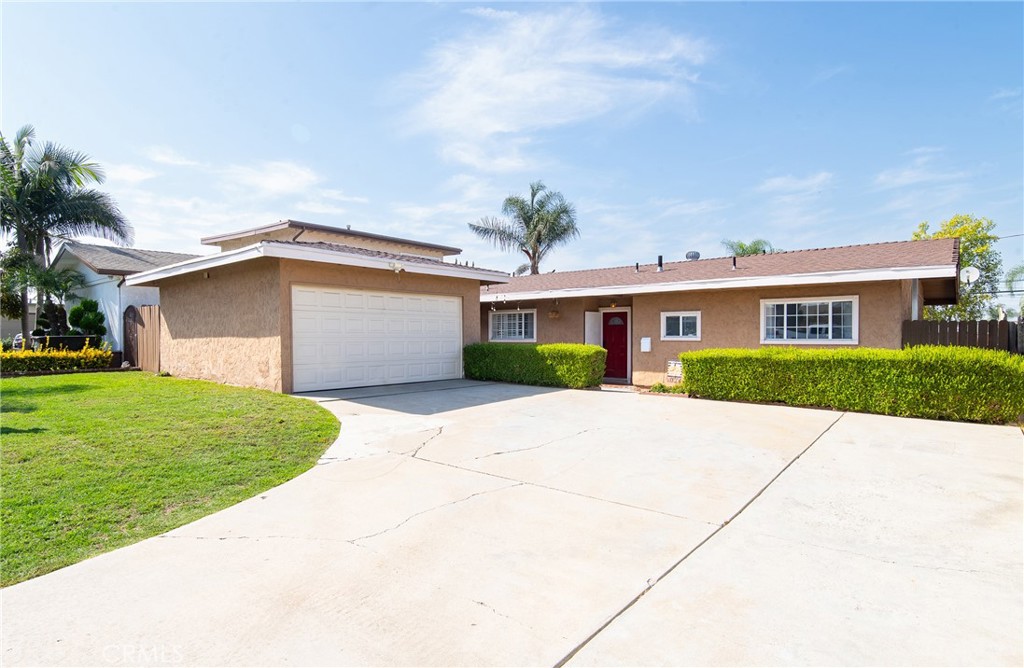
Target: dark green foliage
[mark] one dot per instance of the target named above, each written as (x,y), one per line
(662,388)
(87,318)
(937,382)
(554,364)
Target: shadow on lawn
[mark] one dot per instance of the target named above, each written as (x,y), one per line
(16,399)
(14,430)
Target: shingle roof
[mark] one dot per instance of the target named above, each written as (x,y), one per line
(116,261)
(347,231)
(895,254)
(397,257)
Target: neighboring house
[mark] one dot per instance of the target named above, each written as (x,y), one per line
(295,307)
(645,315)
(10,328)
(105,269)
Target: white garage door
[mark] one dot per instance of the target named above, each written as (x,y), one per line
(353,338)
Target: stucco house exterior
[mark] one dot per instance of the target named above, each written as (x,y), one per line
(645,315)
(105,269)
(296,307)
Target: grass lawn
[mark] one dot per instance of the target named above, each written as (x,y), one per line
(92,462)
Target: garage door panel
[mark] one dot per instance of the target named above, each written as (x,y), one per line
(352,338)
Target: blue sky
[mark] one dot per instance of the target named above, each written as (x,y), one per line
(670,126)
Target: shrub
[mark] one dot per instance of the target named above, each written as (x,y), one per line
(662,388)
(87,317)
(20,361)
(937,382)
(7,343)
(555,364)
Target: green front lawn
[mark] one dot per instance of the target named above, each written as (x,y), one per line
(95,461)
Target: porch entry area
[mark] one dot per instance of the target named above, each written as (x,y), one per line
(612,329)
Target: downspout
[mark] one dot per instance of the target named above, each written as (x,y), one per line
(120,314)
(915,299)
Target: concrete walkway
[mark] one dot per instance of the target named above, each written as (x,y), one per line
(487,524)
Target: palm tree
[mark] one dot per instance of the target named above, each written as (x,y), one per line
(532,227)
(755,247)
(1015,283)
(44,198)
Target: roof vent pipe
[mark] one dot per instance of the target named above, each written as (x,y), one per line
(637,270)
(734,263)
(661,266)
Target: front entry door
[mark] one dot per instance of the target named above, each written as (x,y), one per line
(615,337)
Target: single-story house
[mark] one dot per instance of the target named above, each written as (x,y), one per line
(645,315)
(105,269)
(296,307)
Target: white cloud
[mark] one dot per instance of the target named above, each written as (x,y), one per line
(789,184)
(272,178)
(165,155)
(826,74)
(519,73)
(674,208)
(1005,94)
(128,174)
(339,196)
(921,170)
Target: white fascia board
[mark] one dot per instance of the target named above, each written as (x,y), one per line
(327,256)
(195,264)
(820,278)
(289,252)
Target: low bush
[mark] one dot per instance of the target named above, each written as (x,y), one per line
(573,365)
(936,382)
(48,359)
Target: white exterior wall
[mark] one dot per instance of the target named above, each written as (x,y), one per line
(113,300)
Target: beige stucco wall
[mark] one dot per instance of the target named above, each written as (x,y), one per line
(235,327)
(729,319)
(566,326)
(338,237)
(224,325)
(294,272)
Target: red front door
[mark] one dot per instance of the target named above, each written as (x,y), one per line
(616,341)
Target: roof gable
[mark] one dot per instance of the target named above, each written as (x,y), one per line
(117,261)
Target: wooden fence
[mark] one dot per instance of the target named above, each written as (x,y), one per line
(142,337)
(995,334)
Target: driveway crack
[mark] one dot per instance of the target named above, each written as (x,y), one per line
(874,557)
(426,442)
(535,447)
(430,510)
(653,582)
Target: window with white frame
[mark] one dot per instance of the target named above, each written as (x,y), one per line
(514,325)
(815,320)
(680,326)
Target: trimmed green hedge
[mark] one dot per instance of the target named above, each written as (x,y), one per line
(556,364)
(49,359)
(937,382)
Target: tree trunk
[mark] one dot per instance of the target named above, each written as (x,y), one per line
(26,331)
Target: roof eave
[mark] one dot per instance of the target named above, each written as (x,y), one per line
(290,252)
(817,278)
(298,224)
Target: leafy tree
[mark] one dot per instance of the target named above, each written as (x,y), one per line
(977,249)
(44,198)
(755,247)
(533,226)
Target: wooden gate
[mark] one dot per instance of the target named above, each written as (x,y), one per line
(142,337)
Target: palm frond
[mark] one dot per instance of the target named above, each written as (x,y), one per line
(507,236)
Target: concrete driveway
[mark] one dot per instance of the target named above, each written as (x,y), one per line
(486,524)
